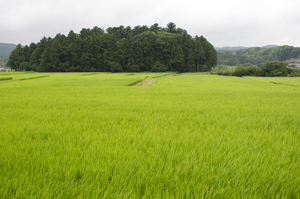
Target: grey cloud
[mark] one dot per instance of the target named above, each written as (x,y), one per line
(230,23)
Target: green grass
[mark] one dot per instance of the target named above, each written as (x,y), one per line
(74,135)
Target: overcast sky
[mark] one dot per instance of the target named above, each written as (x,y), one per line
(221,22)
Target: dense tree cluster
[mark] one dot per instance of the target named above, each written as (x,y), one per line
(257,56)
(118,49)
(269,69)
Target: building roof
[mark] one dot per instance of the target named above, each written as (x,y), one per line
(293,65)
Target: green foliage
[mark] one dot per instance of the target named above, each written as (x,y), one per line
(6,49)
(25,66)
(50,57)
(226,58)
(254,71)
(220,68)
(158,67)
(257,56)
(115,67)
(269,69)
(133,68)
(189,136)
(240,71)
(16,58)
(171,27)
(134,50)
(294,72)
(274,69)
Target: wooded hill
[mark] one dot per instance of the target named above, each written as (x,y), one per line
(6,49)
(241,47)
(257,56)
(118,49)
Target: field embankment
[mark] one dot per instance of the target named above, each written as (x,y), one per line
(150,81)
(5,78)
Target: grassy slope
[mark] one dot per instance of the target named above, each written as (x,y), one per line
(68,136)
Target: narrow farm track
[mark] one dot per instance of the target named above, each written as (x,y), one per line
(149,81)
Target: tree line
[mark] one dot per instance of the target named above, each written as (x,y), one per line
(117,49)
(257,56)
(269,69)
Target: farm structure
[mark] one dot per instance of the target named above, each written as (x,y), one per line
(293,65)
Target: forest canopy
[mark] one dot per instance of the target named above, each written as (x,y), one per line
(118,49)
(257,56)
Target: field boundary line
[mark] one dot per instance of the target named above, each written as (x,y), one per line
(5,78)
(28,78)
(283,84)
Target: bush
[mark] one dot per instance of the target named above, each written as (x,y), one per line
(226,73)
(274,69)
(240,71)
(269,69)
(253,71)
(294,73)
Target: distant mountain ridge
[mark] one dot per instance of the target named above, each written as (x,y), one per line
(231,48)
(258,56)
(241,47)
(6,49)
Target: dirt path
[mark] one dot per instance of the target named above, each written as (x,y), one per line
(146,82)
(149,81)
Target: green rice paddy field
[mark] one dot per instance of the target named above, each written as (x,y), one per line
(91,135)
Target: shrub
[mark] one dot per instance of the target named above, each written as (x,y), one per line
(240,71)
(274,69)
(226,73)
(269,69)
(294,73)
(253,71)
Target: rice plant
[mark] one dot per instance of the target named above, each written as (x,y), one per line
(74,135)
